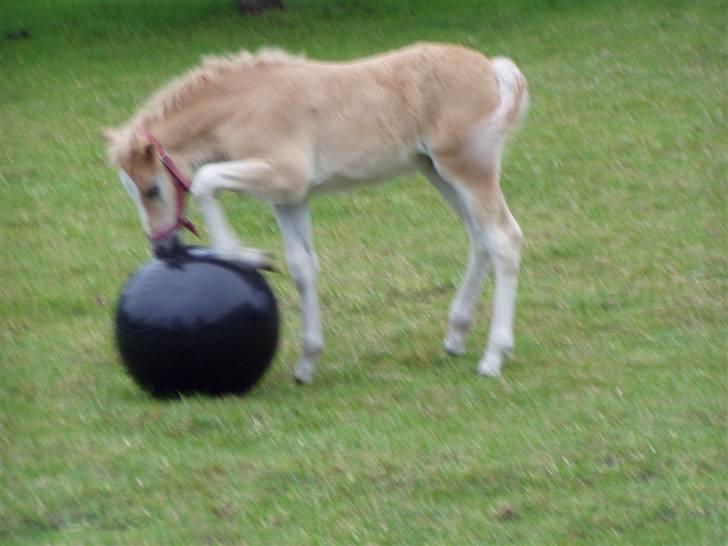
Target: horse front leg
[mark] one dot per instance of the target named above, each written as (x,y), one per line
(248,176)
(276,181)
(295,224)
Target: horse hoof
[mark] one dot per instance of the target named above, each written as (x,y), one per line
(303,376)
(490,366)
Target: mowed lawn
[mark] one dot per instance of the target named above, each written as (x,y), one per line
(609,425)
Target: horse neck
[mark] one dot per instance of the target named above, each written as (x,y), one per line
(188,135)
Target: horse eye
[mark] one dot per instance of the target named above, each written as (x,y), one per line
(152,192)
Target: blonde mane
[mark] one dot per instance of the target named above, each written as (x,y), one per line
(169,98)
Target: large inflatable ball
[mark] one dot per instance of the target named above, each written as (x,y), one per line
(194,323)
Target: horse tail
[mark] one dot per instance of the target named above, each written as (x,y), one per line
(513,91)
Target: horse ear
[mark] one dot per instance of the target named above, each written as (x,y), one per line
(142,148)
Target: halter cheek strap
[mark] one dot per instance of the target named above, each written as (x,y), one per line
(182,188)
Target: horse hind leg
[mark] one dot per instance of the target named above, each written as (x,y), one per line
(497,234)
(503,238)
(463,306)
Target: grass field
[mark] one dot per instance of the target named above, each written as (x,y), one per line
(609,426)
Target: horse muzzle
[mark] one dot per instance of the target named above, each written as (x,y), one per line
(166,246)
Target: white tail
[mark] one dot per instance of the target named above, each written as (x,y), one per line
(513,91)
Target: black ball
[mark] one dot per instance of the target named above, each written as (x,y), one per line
(193,323)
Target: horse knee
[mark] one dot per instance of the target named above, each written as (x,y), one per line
(203,183)
(302,268)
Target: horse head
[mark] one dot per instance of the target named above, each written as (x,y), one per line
(155,188)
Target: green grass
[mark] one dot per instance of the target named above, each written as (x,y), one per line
(610,424)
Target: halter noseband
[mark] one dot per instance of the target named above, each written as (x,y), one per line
(182,186)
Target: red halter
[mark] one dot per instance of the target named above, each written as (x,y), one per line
(182,186)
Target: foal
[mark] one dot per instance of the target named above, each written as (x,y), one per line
(280,127)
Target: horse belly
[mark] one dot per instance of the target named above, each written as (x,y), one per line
(362,173)
(348,162)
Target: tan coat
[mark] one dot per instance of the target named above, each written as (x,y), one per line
(280,127)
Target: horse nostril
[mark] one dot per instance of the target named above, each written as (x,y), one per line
(152,193)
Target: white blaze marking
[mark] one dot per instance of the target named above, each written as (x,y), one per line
(133,191)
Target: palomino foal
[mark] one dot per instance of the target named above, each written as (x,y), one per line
(280,128)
